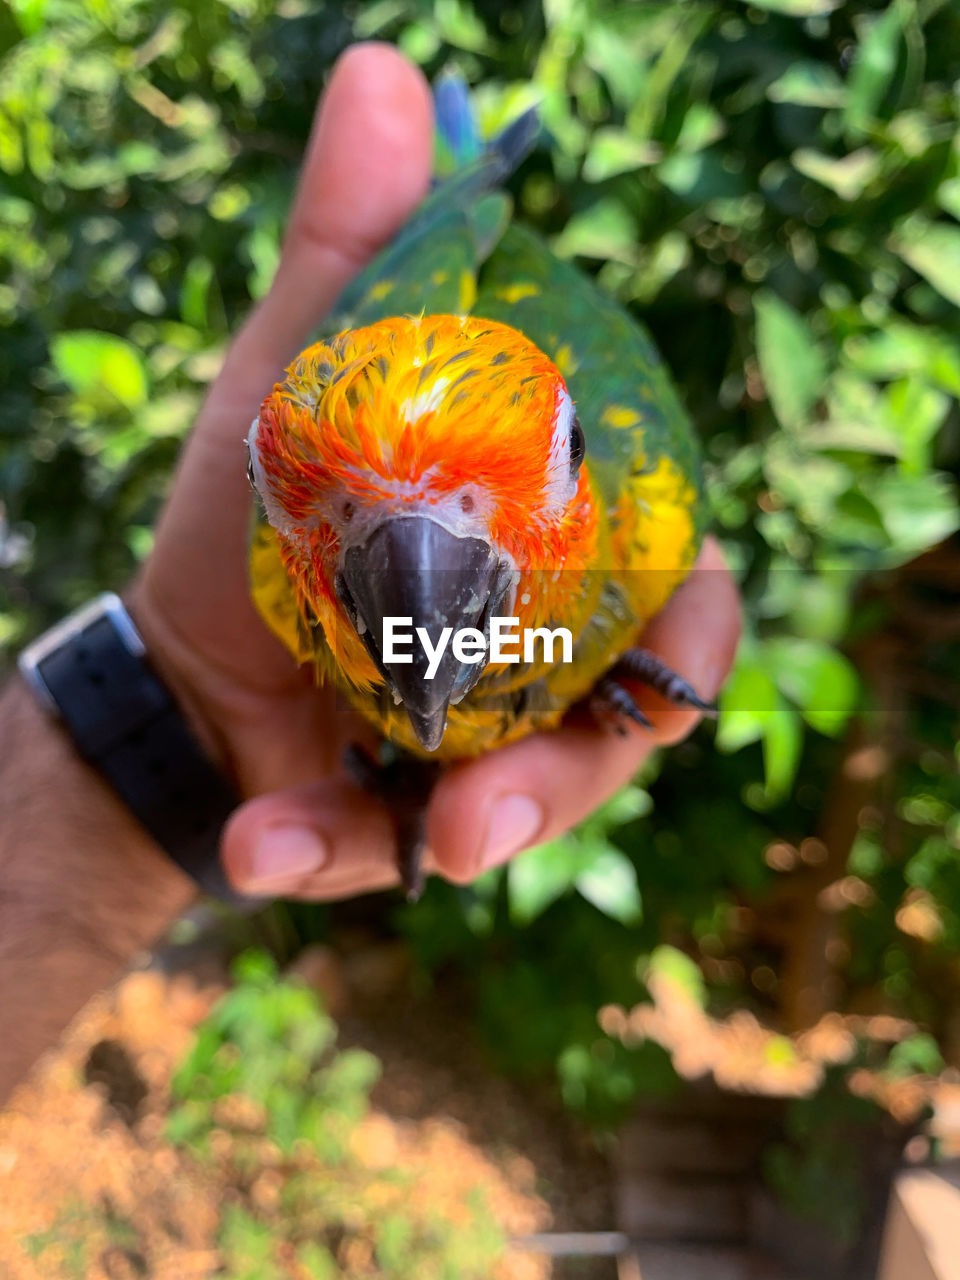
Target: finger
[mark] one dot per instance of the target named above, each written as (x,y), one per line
(324,840)
(367,164)
(485,811)
(367,167)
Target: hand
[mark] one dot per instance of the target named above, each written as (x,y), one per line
(308,831)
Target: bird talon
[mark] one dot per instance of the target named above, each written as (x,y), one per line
(611,701)
(641,664)
(405,786)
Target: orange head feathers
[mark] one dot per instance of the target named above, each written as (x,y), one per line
(423,464)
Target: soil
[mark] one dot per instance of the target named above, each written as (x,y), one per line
(89,1187)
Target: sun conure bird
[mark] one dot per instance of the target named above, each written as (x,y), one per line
(484,433)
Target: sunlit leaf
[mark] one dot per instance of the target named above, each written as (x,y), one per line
(901,348)
(933,250)
(791,362)
(948,196)
(91,362)
(874,63)
(197,278)
(818,679)
(539,876)
(677,967)
(29,14)
(847,176)
(916,412)
(605,230)
(796,8)
(614,151)
(917,510)
(917,1053)
(782,743)
(610,883)
(747,701)
(808,84)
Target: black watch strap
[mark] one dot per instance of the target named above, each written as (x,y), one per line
(91,671)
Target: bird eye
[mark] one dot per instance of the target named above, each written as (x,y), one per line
(577,446)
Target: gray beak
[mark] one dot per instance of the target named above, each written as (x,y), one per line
(411,567)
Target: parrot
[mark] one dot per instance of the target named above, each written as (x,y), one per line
(479,433)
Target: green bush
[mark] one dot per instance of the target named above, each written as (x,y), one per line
(264,1088)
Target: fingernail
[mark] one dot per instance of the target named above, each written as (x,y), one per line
(515,821)
(285,853)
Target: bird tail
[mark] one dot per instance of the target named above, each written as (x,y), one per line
(458,139)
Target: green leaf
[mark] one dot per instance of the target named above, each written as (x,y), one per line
(377,15)
(747,700)
(540,876)
(933,250)
(263,249)
(874,64)
(791,363)
(847,176)
(782,743)
(919,1053)
(94,364)
(30,15)
(194,288)
(624,806)
(702,126)
(248,1246)
(254,967)
(677,967)
(916,412)
(917,511)
(808,84)
(610,883)
(459,25)
(605,230)
(318,1262)
(796,8)
(901,348)
(614,151)
(948,196)
(821,681)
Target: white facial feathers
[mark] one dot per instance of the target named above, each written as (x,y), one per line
(561,475)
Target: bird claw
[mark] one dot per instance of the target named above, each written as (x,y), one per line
(404,785)
(641,664)
(611,700)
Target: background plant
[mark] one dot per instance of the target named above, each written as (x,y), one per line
(264,1127)
(774,188)
(265,1096)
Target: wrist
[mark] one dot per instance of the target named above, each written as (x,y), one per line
(82,887)
(68,845)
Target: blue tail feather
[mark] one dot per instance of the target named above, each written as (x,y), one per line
(456,126)
(459,138)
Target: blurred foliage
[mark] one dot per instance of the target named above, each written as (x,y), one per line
(264,1088)
(774,187)
(264,1113)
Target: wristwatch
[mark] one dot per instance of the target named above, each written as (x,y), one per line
(91,672)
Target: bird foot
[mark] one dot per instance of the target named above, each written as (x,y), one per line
(612,701)
(405,785)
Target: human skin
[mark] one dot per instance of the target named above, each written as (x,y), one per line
(81,887)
